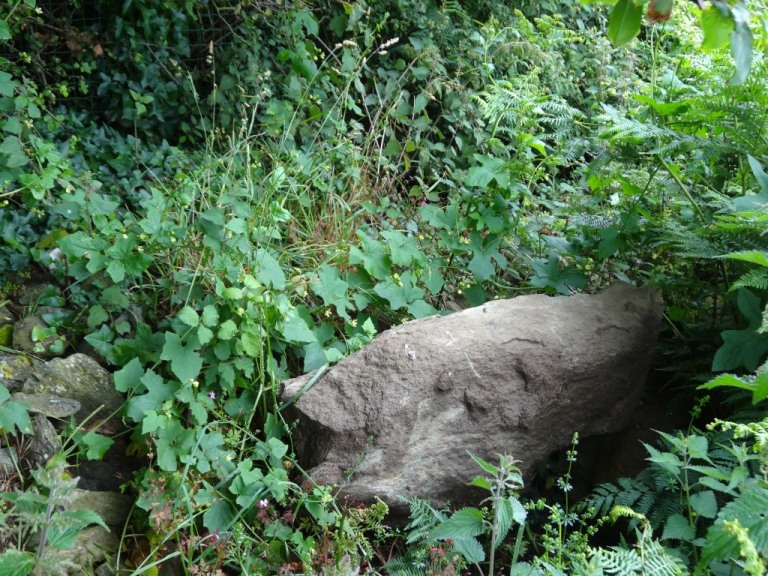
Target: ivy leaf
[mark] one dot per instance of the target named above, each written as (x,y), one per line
(333,290)
(173,441)
(490,169)
(624,22)
(129,376)
(743,348)
(14,416)
(185,362)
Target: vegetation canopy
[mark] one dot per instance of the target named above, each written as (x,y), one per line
(220,195)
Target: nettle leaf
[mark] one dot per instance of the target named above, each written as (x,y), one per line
(677,527)
(744,348)
(17,563)
(185,362)
(465,523)
(471,549)
(624,22)
(749,509)
(704,503)
(333,290)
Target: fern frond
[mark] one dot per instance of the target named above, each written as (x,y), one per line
(756,278)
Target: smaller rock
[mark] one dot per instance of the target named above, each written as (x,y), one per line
(15,369)
(24,342)
(45,442)
(48,404)
(112,507)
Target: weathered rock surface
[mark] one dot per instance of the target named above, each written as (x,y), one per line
(516,376)
(80,378)
(15,369)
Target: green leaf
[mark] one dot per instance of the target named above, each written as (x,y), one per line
(188,316)
(678,528)
(210,316)
(158,391)
(268,270)
(717,27)
(490,169)
(333,290)
(97,445)
(749,509)
(185,362)
(624,22)
(484,253)
(14,416)
(466,523)
(399,292)
(129,376)
(470,548)
(505,514)
(487,467)
(227,330)
(5,34)
(754,256)
(13,152)
(704,503)
(404,249)
(744,348)
(173,442)
(219,517)
(295,329)
(373,255)
(17,563)
(759,174)
(741,44)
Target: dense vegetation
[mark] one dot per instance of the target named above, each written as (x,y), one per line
(226,194)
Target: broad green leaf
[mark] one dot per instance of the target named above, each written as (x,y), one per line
(204,335)
(741,47)
(399,292)
(129,376)
(97,445)
(744,348)
(490,169)
(227,330)
(404,249)
(754,256)
(759,174)
(12,153)
(173,442)
(484,253)
(185,362)
(704,503)
(749,509)
(268,270)
(624,22)
(505,514)
(158,391)
(210,316)
(219,517)
(333,290)
(188,316)
(232,293)
(14,416)
(471,549)
(465,523)
(677,527)
(295,329)
(487,467)
(17,563)
(5,34)
(717,27)
(372,255)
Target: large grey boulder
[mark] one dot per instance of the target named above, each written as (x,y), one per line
(519,377)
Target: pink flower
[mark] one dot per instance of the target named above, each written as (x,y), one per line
(212,395)
(263,503)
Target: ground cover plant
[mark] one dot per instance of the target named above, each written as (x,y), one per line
(223,195)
